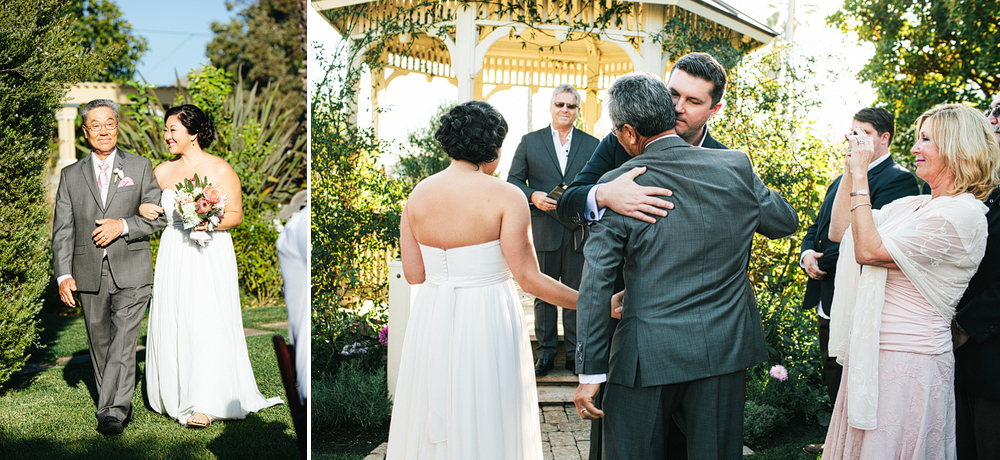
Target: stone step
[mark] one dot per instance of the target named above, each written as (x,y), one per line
(558,376)
(555,395)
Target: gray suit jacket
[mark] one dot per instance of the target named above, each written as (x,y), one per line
(536,168)
(690,310)
(78,205)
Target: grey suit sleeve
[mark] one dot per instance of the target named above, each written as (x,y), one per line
(518,174)
(138,226)
(63,234)
(777,218)
(604,252)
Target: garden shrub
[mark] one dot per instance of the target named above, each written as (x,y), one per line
(759,118)
(355,396)
(759,420)
(39,59)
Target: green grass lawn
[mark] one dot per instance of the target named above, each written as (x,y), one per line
(50,414)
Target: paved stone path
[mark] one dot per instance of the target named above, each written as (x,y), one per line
(564,435)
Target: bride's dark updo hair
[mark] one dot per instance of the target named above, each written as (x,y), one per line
(472,131)
(195,121)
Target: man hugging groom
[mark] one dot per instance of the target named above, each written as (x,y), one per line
(100,248)
(690,326)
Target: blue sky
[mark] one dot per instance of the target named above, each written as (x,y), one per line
(177,32)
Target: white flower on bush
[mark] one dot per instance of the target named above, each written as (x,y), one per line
(349,350)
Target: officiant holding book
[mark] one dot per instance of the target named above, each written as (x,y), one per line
(544,162)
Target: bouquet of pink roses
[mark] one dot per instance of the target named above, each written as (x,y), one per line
(199,201)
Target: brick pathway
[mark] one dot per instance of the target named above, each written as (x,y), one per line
(564,435)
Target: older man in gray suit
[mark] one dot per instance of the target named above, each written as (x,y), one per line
(545,159)
(690,326)
(100,248)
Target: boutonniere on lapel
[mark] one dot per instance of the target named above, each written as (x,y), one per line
(120,179)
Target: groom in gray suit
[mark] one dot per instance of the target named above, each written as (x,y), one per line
(690,326)
(100,248)
(545,159)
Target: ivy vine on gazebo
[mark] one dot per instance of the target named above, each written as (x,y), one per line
(535,44)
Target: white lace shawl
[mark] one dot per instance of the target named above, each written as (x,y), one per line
(938,247)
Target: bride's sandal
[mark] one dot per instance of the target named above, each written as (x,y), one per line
(199,420)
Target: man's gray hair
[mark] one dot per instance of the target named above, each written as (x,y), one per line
(85,110)
(566,88)
(642,100)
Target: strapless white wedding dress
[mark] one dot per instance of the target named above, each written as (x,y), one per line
(196,353)
(466,386)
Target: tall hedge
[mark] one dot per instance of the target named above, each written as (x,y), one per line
(38,61)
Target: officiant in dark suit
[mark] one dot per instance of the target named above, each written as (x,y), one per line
(544,161)
(690,326)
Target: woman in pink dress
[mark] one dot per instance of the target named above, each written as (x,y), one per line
(895,299)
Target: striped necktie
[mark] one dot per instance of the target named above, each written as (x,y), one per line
(102,181)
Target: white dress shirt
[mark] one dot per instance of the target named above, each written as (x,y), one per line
(562,150)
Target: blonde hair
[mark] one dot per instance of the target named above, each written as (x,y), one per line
(969,150)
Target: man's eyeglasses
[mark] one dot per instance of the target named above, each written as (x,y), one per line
(95,127)
(993,111)
(563,104)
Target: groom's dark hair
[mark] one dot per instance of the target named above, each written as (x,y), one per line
(196,122)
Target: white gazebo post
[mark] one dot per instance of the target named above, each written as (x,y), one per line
(400,299)
(464,54)
(65,118)
(650,50)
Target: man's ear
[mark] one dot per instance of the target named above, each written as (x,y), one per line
(715,109)
(884,138)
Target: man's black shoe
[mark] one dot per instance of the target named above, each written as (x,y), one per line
(543,366)
(571,365)
(814,449)
(128,418)
(110,426)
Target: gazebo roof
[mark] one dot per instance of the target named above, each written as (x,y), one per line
(551,59)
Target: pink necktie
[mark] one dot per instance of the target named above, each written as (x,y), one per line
(102,181)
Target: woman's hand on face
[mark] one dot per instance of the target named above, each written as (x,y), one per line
(862,150)
(150,211)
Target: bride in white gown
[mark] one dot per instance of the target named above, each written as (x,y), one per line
(466,386)
(197,365)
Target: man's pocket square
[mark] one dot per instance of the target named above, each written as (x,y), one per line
(125,182)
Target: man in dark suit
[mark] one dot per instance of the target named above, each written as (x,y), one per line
(977,343)
(100,248)
(818,258)
(546,159)
(682,346)
(696,84)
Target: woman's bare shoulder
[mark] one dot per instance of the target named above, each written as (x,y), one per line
(219,167)
(508,192)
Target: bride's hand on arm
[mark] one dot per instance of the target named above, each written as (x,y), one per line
(519,252)
(617,305)
(150,211)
